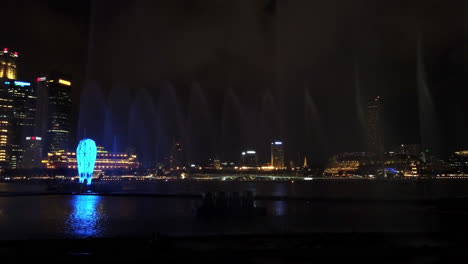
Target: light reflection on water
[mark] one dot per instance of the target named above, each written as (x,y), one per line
(87,217)
(279,208)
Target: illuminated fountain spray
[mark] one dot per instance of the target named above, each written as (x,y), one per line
(86,157)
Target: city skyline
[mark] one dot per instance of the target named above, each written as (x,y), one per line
(42,110)
(307,85)
(263,131)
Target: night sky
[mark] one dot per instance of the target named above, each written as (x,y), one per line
(224,76)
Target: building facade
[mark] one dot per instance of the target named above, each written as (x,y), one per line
(249,158)
(277,155)
(6,112)
(32,153)
(105,161)
(16,119)
(23,99)
(344,164)
(8,64)
(375,129)
(53,118)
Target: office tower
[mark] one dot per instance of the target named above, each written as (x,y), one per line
(375,133)
(53,118)
(6,111)
(21,120)
(176,153)
(249,158)
(8,64)
(277,155)
(32,154)
(42,106)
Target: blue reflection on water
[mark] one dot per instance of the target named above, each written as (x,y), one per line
(86,218)
(280,208)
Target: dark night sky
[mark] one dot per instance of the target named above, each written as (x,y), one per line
(225,75)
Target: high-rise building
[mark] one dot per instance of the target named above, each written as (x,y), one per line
(249,158)
(176,153)
(8,64)
(32,154)
(17,117)
(6,112)
(53,118)
(375,130)
(42,106)
(277,155)
(23,100)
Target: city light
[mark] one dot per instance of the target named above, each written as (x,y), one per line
(41,79)
(251,152)
(462,153)
(22,84)
(64,82)
(33,138)
(5,50)
(278,143)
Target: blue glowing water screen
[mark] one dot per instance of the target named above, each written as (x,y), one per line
(86,153)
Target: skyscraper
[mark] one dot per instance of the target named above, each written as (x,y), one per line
(8,64)
(53,114)
(21,119)
(176,155)
(32,154)
(6,111)
(277,155)
(249,158)
(375,132)
(17,109)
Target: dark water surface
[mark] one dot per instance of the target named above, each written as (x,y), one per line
(57,216)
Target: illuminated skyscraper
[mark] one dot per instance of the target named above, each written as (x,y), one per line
(375,131)
(277,154)
(17,100)
(21,120)
(8,64)
(249,158)
(53,115)
(6,112)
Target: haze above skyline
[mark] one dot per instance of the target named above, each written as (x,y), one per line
(248,72)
